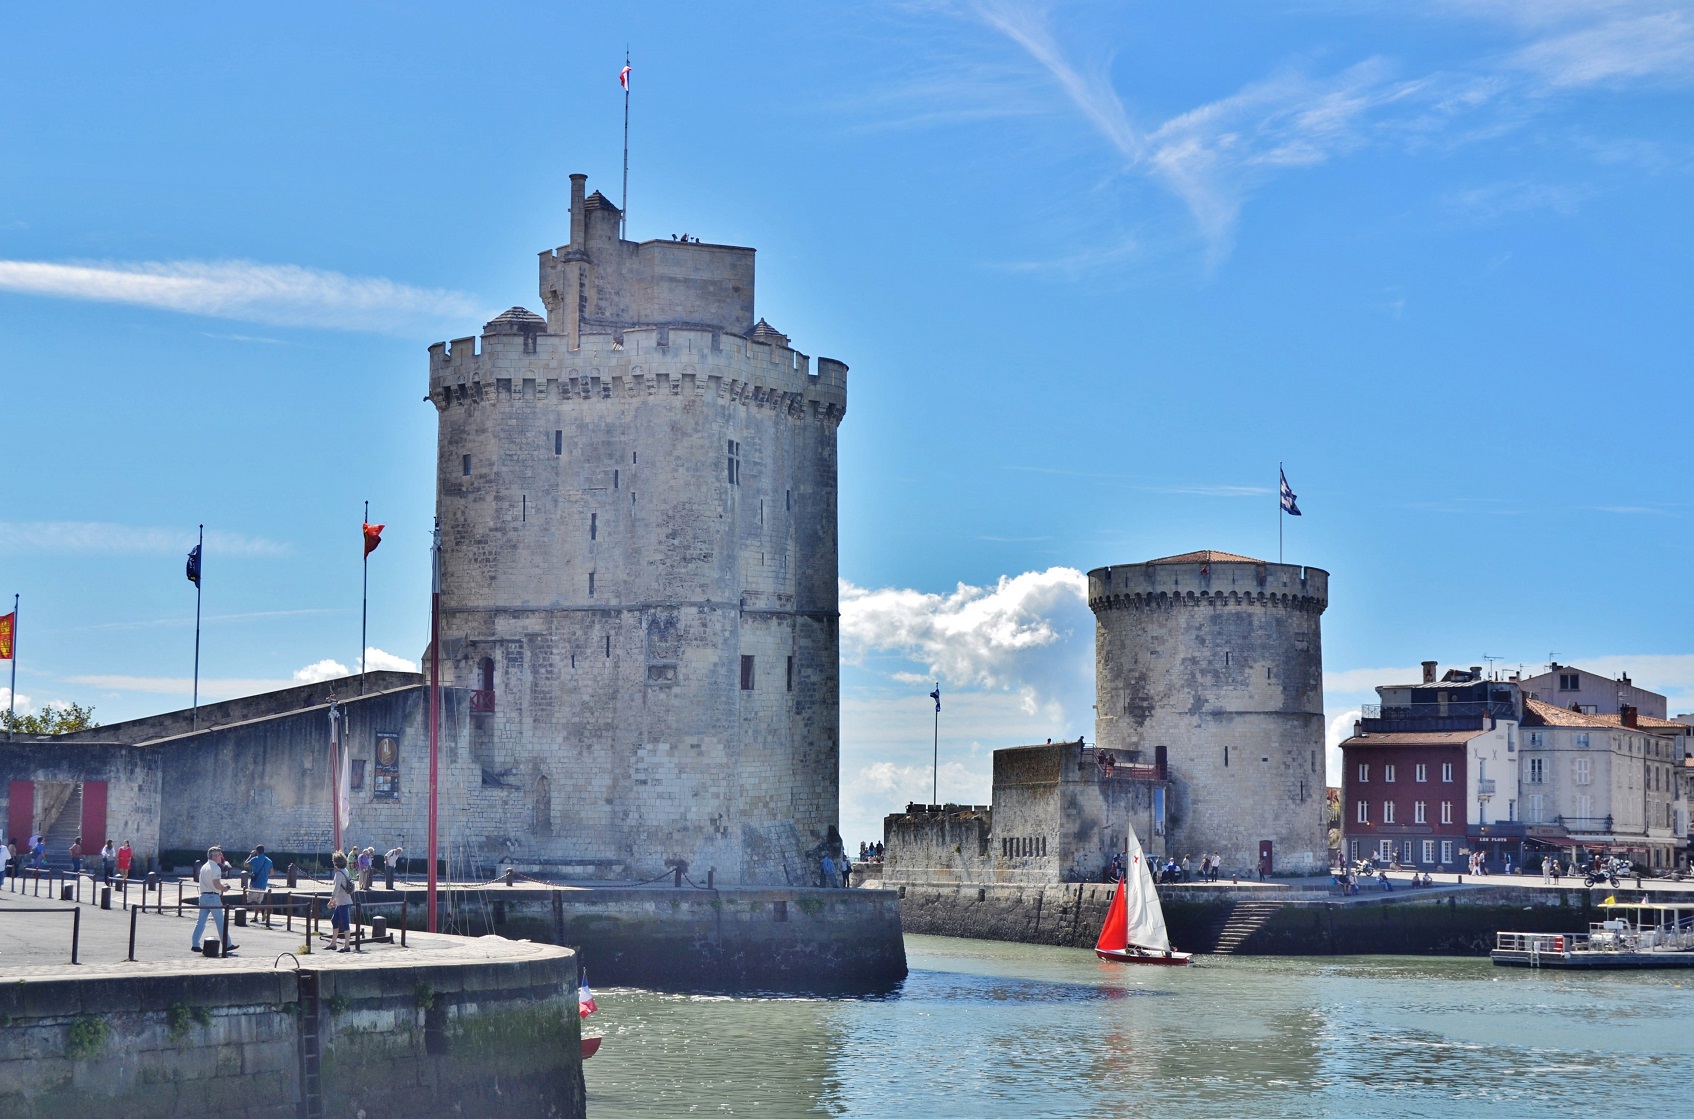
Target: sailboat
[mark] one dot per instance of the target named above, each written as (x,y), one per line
(1134,932)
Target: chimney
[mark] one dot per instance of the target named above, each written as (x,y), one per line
(1627,716)
(579,191)
(1476,672)
(1429,672)
(1358,728)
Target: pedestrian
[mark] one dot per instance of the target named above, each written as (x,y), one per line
(75,853)
(846,872)
(367,865)
(8,852)
(829,878)
(108,861)
(1184,868)
(1508,864)
(259,875)
(1387,887)
(211,877)
(38,852)
(125,854)
(1217,864)
(341,907)
(392,861)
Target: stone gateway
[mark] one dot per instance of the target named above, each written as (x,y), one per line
(1210,665)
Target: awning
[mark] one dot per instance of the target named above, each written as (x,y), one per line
(1551,840)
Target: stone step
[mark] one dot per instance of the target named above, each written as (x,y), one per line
(1245,918)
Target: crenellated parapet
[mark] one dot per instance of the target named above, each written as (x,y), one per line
(1169,585)
(537,367)
(1166,600)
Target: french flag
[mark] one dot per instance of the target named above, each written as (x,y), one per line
(585,1004)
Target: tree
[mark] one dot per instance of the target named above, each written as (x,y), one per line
(51,720)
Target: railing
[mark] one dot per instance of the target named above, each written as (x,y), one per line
(1551,944)
(1485,786)
(1432,716)
(482,702)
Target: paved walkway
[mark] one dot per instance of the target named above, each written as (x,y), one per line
(38,944)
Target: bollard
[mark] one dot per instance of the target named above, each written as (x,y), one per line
(293,876)
(379,928)
(711,872)
(76,931)
(152,882)
(402,922)
(511,876)
(677,882)
(105,897)
(133,914)
(241,918)
(65,893)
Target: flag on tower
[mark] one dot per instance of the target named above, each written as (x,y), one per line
(1288,505)
(936,696)
(373,537)
(623,76)
(8,626)
(194,565)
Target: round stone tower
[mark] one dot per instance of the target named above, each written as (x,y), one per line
(1213,664)
(637,502)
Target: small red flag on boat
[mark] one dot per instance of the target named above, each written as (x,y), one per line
(373,537)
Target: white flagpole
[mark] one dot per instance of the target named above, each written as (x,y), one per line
(624,232)
(199,578)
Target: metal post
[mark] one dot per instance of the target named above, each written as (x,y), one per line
(133,914)
(364,597)
(76,931)
(434,716)
(403,908)
(12,696)
(199,577)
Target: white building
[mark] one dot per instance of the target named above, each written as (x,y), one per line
(1578,689)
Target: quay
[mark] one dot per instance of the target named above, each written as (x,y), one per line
(142,1027)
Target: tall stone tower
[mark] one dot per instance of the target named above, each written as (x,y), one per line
(1214,663)
(637,501)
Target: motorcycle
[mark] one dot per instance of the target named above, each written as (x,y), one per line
(1595,873)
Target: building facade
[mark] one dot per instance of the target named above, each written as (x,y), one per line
(1575,688)
(637,504)
(1212,664)
(1404,797)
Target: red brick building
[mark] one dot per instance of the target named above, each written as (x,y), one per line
(1403,797)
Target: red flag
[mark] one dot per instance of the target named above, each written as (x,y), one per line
(373,537)
(8,623)
(623,76)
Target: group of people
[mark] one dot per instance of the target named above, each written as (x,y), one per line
(836,874)
(352,872)
(870,851)
(1173,870)
(115,861)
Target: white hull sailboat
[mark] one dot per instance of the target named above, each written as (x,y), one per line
(1134,932)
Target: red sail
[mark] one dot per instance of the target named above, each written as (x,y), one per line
(1114,934)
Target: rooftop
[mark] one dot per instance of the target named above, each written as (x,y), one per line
(1540,713)
(1414,738)
(1207,556)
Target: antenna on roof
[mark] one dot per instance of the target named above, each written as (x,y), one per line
(1491,661)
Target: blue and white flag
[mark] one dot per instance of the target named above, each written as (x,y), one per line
(936,696)
(1288,505)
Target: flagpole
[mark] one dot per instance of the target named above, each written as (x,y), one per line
(1279,512)
(12,696)
(364,598)
(434,713)
(200,572)
(935,754)
(624,219)
(334,775)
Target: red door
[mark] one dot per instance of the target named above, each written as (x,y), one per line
(1266,865)
(93,817)
(20,813)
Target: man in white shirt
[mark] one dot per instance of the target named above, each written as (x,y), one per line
(211,895)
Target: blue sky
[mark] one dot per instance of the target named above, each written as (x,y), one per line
(1097,268)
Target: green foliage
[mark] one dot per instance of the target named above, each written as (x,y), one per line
(425,995)
(88,1037)
(177,1019)
(338,1003)
(202,1015)
(51,720)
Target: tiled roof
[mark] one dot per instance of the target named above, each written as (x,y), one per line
(764,332)
(515,320)
(1415,738)
(1540,713)
(1207,556)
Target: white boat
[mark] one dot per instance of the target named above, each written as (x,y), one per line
(1134,932)
(1633,935)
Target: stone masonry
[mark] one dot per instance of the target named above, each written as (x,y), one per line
(1214,662)
(637,503)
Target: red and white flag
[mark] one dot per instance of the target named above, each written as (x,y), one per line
(623,76)
(585,1004)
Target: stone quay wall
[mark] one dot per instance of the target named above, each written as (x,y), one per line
(495,1040)
(794,940)
(1443,923)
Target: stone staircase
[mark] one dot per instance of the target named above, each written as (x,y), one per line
(1243,920)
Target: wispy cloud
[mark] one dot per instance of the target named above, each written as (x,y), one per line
(102,538)
(1615,49)
(248,616)
(283,294)
(210,687)
(1499,200)
(1196,489)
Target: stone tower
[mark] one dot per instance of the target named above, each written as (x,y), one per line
(1213,663)
(637,501)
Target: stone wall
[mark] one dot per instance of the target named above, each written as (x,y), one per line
(495,1040)
(133,777)
(637,500)
(1220,663)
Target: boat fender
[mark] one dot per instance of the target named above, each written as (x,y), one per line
(1559,945)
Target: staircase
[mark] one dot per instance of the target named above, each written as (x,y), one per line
(1245,918)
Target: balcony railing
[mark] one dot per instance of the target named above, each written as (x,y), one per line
(1485,786)
(482,702)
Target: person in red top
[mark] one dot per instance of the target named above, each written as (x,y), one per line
(124,857)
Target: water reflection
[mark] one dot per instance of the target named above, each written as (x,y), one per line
(982,1029)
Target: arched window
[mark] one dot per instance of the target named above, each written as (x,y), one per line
(543,807)
(482,699)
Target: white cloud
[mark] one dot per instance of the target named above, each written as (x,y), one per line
(378,661)
(100,538)
(210,689)
(283,294)
(1655,45)
(1353,681)
(319,671)
(1499,200)
(23,705)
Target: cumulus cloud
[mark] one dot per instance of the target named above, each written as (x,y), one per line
(283,294)
(319,671)
(971,636)
(378,661)
(103,538)
(23,706)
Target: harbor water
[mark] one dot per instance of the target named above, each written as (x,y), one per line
(987,1029)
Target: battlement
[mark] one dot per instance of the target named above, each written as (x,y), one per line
(1231,582)
(511,366)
